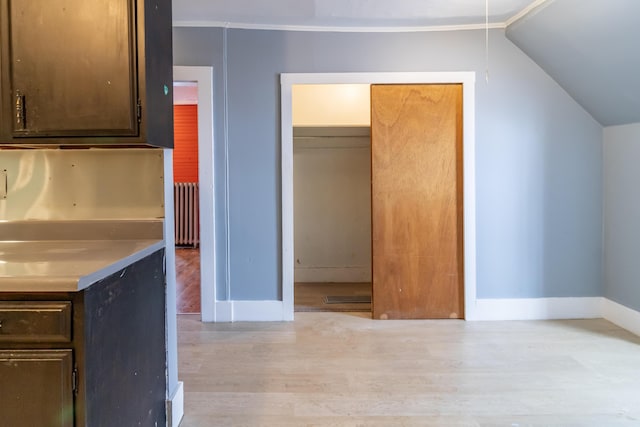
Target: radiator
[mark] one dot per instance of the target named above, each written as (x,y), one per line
(187,223)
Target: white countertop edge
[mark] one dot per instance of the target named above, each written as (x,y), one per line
(86,281)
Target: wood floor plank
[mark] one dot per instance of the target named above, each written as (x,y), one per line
(345,369)
(188,280)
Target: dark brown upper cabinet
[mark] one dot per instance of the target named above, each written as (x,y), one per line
(86,72)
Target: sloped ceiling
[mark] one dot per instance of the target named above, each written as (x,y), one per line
(343,14)
(592,49)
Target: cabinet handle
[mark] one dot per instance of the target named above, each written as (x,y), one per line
(20,113)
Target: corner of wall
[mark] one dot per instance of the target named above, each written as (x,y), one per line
(621,315)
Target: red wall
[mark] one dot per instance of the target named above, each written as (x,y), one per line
(185,139)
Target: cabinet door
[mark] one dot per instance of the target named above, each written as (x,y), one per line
(72,68)
(36,388)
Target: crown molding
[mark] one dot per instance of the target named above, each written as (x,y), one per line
(338,29)
(361,29)
(524,12)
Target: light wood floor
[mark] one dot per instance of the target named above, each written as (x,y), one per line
(344,369)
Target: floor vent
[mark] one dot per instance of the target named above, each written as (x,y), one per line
(347,299)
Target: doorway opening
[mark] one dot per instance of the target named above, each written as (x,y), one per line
(197,265)
(332,198)
(186,196)
(466,79)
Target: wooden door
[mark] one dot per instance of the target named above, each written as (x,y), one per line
(417,241)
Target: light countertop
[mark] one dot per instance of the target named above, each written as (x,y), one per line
(62,266)
(57,264)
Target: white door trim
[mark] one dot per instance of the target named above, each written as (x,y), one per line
(287,80)
(204,77)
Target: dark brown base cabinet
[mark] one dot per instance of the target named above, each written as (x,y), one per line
(89,358)
(36,387)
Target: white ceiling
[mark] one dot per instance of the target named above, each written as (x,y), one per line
(185,93)
(345,14)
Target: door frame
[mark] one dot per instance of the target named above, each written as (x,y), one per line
(203,76)
(467,79)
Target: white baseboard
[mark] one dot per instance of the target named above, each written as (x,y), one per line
(538,308)
(223,311)
(249,311)
(257,311)
(621,315)
(485,309)
(333,274)
(175,404)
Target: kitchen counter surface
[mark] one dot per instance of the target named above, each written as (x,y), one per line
(63,266)
(70,257)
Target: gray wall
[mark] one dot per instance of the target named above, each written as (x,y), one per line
(206,47)
(538,158)
(622,214)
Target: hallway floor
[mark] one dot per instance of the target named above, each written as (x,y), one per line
(344,369)
(188,280)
